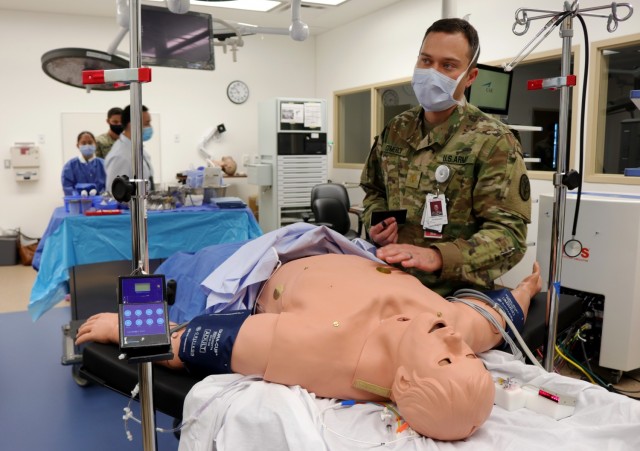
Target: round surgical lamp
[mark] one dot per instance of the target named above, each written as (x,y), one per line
(66,66)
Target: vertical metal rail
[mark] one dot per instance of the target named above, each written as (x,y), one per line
(557,230)
(139,242)
(520,27)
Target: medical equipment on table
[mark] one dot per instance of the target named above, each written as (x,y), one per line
(601,266)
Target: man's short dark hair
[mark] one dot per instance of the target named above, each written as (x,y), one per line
(115,111)
(452,26)
(126,114)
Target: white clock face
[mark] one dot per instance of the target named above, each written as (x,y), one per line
(238,91)
(390,98)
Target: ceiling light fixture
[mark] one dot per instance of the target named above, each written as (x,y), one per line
(247,5)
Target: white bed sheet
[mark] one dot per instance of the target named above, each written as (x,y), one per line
(257,415)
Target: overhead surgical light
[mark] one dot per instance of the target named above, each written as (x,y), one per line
(67,64)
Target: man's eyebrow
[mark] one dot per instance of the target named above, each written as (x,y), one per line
(447,59)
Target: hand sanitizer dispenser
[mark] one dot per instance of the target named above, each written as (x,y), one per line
(25,159)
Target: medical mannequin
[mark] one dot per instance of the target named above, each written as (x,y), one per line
(227,164)
(345,327)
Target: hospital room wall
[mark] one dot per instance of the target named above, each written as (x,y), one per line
(188,103)
(386,48)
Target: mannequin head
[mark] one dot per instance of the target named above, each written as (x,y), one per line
(228,165)
(441,388)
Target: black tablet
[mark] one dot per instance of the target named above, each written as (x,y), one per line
(380,215)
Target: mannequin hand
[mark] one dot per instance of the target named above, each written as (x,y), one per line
(385,232)
(101,328)
(424,258)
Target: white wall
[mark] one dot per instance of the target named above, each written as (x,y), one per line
(376,48)
(384,46)
(188,102)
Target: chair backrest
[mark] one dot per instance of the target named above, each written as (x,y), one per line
(331,212)
(332,190)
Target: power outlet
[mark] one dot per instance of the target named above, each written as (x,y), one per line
(7,164)
(246,160)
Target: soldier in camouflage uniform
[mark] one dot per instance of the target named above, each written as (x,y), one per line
(486,189)
(105,141)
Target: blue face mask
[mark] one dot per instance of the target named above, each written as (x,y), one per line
(87,150)
(434,90)
(147,133)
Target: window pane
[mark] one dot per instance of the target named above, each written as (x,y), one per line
(538,108)
(621,146)
(354,127)
(394,100)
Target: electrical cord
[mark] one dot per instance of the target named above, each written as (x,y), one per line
(385,417)
(128,413)
(487,300)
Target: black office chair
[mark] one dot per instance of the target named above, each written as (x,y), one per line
(330,206)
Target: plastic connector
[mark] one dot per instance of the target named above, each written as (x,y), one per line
(510,395)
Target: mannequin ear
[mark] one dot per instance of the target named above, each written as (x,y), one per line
(402,381)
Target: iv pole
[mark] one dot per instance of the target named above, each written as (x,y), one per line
(139,242)
(565,20)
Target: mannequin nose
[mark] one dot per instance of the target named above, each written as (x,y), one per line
(453,339)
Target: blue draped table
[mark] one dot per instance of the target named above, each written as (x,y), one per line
(79,240)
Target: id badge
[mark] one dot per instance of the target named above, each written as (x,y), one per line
(431,234)
(435,212)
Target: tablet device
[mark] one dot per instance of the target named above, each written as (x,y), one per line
(380,215)
(143,316)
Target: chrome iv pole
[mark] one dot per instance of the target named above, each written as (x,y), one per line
(565,20)
(139,236)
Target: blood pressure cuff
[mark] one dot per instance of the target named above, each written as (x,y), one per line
(505,301)
(207,343)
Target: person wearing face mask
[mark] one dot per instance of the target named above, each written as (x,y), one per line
(446,153)
(87,168)
(105,141)
(118,161)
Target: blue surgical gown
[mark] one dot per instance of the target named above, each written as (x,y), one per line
(77,171)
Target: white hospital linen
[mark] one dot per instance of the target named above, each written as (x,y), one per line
(267,416)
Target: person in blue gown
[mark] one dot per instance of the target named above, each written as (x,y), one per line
(84,169)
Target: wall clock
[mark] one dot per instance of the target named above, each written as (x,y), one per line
(238,92)
(390,97)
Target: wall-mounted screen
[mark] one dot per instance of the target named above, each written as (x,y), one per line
(491,90)
(176,40)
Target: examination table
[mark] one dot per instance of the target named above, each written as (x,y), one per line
(100,363)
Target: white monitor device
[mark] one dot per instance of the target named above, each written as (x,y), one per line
(607,263)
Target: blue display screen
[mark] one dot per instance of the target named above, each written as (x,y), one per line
(143,307)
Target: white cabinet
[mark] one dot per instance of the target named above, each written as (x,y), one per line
(293,140)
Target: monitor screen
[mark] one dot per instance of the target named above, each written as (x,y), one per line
(491,90)
(176,40)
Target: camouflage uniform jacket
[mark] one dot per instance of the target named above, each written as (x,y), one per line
(103,144)
(487,192)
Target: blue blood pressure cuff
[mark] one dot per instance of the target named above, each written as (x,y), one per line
(504,300)
(508,304)
(207,343)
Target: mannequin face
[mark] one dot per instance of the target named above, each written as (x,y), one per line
(429,347)
(442,389)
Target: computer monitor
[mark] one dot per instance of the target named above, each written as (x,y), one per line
(491,90)
(176,40)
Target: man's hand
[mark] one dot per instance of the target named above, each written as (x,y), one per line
(384,232)
(423,258)
(101,328)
